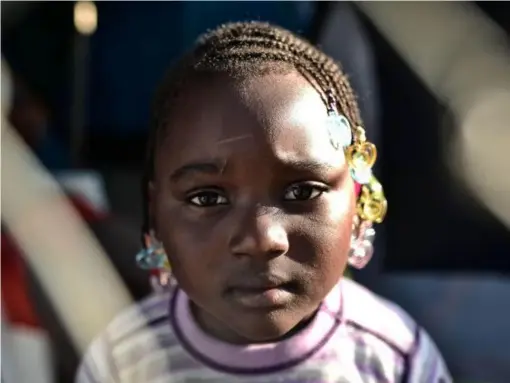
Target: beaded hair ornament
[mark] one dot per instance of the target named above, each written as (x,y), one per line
(371,205)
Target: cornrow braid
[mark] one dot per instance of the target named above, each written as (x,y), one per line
(246,48)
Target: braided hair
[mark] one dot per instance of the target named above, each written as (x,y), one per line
(244,49)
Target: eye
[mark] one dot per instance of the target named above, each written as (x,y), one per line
(304,192)
(207,199)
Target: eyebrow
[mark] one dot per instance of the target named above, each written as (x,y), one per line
(310,166)
(207,167)
(218,166)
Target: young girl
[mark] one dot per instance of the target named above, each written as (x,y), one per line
(259,190)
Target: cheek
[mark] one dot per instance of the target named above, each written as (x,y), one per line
(184,241)
(332,238)
(190,245)
(189,253)
(341,207)
(324,244)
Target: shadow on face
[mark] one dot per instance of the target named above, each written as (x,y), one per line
(253,204)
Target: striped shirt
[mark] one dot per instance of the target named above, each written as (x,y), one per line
(356,336)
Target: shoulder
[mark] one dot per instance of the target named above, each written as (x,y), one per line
(139,332)
(147,313)
(376,318)
(375,315)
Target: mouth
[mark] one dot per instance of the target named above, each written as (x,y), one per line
(262,294)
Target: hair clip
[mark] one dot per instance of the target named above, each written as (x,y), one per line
(361,156)
(153,256)
(339,128)
(362,244)
(150,259)
(372,205)
(361,175)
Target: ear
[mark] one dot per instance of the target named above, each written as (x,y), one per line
(152,207)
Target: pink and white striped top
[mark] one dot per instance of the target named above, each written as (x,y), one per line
(355,337)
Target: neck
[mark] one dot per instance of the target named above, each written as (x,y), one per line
(217,329)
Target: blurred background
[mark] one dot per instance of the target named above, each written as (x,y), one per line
(77,82)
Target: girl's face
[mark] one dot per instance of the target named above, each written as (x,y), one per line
(252,203)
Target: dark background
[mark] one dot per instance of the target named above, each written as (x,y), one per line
(433,223)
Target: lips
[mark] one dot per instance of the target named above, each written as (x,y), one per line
(262,293)
(259,282)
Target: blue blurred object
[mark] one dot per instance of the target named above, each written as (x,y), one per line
(155,34)
(466,315)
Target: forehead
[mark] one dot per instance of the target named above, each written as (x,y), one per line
(280,114)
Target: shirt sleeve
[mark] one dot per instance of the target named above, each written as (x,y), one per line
(96,366)
(426,363)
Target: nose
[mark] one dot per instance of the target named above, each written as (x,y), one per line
(259,234)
